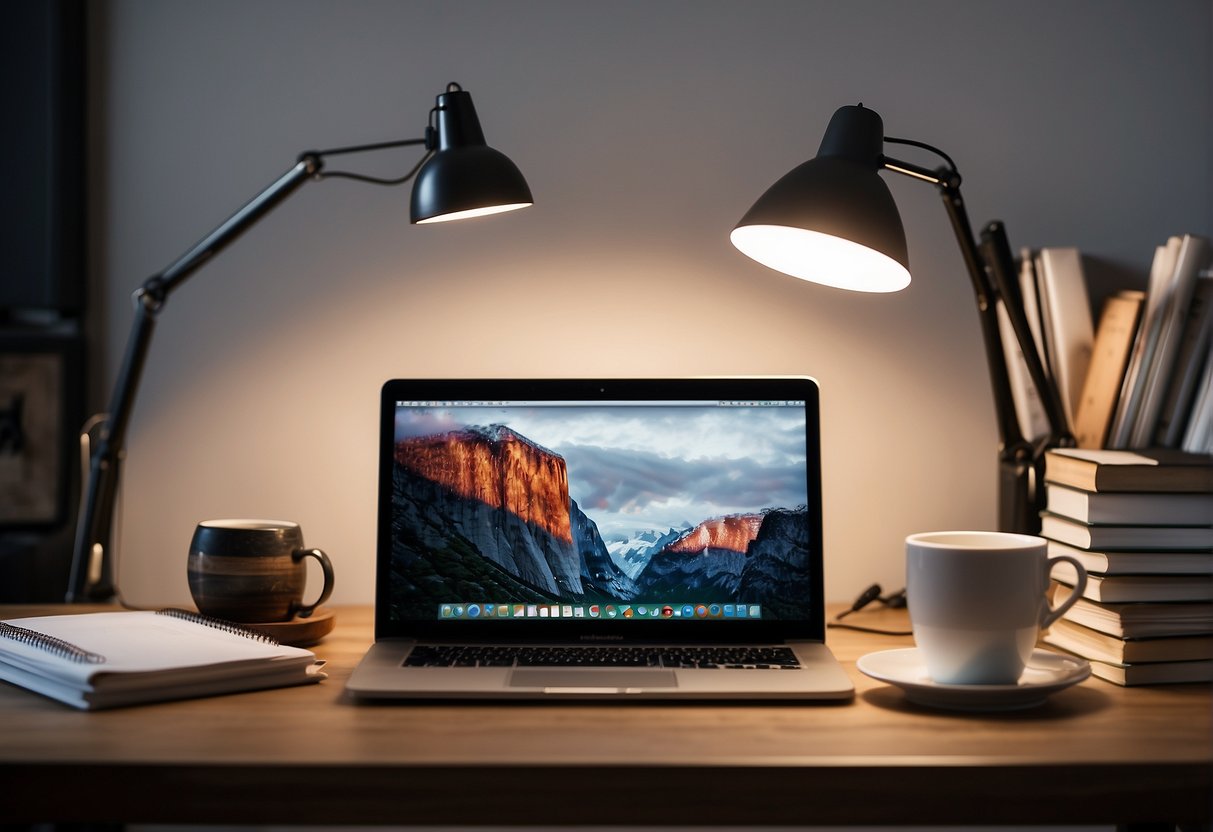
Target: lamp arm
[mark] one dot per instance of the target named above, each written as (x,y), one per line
(997,256)
(1013,443)
(91,576)
(1011,440)
(997,252)
(990,268)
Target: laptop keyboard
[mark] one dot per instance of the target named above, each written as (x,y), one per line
(739,657)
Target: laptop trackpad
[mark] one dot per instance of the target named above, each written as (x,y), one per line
(613,681)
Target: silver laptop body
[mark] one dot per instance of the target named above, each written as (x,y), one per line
(582,539)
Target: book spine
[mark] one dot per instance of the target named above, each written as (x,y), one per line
(1029,410)
(1198,437)
(1161,271)
(1189,362)
(1109,361)
(1128,508)
(1192,255)
(1159,471)
(1068,318)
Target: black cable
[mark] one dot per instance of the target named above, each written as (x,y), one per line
(872,593)
(895,601)
(925,146)
(866,597)
(840,626)
(374,180)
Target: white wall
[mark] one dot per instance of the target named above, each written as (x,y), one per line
(645,129)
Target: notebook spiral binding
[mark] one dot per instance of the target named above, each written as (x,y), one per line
(57,646)
(67,650)
(219,624)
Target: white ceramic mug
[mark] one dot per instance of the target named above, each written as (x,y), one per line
(978,601)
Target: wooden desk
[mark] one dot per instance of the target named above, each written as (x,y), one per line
(1095,753)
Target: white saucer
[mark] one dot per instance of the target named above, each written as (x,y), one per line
(1046,673)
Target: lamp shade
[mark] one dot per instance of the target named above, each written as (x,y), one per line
(465,177)
(832,220)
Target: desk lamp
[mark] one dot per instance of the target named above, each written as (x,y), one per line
(832,220)
(459,176)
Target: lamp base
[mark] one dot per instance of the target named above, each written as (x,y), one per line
(1020,495)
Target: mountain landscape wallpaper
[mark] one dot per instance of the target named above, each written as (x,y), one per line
(604,504)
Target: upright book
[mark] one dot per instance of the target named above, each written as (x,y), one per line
(110,659)
(1106,372)
(1029,407)
(1192,256)
(1191,360)
(1158,291)
(1066,316)
(1198,437)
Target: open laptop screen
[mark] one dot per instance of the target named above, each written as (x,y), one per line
(599,503)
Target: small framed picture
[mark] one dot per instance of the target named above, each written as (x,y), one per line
(39,380)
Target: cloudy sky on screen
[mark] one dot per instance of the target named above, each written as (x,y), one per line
(654,468)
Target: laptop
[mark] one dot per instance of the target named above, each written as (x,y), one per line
(599,539)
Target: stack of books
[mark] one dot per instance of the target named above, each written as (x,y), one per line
(1141,522)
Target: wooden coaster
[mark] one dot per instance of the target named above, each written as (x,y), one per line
(298,632)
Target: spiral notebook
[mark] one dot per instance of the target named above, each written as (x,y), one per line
(112,659)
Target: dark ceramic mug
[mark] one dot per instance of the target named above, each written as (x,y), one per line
(253,571)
